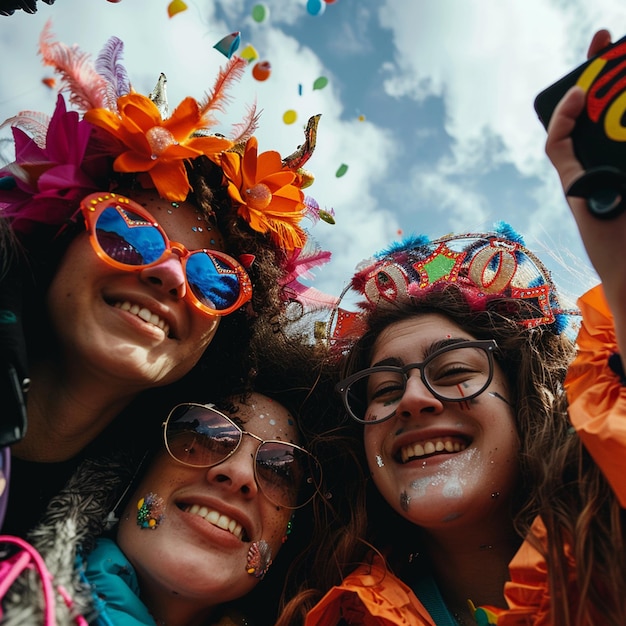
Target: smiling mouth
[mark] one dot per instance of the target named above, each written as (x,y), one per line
(145,314)
(216,519)
(431,447)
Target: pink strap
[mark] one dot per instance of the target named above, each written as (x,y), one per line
(18,563)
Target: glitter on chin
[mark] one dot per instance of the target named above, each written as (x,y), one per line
(449,476)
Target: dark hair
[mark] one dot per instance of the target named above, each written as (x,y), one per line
(534,361)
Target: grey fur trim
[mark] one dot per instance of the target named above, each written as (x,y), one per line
(75,518)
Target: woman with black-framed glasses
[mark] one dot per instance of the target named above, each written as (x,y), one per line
(451,382)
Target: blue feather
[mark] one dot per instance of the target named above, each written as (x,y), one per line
(408,243)
(506,231)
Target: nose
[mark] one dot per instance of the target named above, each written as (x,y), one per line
(168,276)
(236,473)
(417,398)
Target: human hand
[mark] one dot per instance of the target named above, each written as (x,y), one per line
(604,240)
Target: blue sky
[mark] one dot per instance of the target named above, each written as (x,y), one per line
(428,103)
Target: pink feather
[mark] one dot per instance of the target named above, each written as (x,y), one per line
(245,129)
(310,297)
(298,265)
(217,98)
(88,90)
(32,122)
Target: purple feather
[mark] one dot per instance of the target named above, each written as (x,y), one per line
(109,66)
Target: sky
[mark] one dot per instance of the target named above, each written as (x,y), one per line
(429,104)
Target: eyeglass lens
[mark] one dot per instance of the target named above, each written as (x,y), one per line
(453,375)
(128,238)
(201,437)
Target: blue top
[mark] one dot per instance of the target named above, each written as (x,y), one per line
(115,587)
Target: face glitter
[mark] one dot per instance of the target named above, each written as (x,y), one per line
(405,500)
(452,488)
(379,461)
(150,511)
(259,559)
(495,394)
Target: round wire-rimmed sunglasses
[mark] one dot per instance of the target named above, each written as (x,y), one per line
(126,236)
(198,435)
(455,373)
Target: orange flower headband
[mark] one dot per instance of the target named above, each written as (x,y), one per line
(65,157)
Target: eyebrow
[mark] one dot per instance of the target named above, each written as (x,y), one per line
(431,349)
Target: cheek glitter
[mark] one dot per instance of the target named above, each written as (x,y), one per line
(150,511)
(259,559)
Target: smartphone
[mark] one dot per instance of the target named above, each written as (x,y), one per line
(600,133)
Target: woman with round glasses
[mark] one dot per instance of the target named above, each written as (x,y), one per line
(204,528)
(139,233)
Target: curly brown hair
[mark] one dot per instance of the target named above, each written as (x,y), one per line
(534,361)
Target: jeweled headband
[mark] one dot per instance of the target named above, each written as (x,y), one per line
(493,270)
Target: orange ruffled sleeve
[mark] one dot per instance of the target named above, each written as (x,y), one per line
(370,596)
(597,399)
(527,592)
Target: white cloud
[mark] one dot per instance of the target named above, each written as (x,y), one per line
(488,60)
(485,61)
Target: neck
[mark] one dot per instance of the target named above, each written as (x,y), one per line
(171,610)
(67,412)
(472,565)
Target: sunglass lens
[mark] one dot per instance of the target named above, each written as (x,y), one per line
(288,476)
(200,437)
(215,283)
(128,238)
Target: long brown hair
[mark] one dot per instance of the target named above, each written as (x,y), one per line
(534,361)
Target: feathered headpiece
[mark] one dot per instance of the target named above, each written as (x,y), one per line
(62,158)
(493,270)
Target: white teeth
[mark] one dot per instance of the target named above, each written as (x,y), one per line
(217,519)
(414,450)
(144,314)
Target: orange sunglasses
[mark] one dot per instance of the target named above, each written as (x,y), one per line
(126,236)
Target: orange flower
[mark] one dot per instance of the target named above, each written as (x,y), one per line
(157,146)
(268,198)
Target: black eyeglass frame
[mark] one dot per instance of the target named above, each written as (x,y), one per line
(489,346)
(209,407)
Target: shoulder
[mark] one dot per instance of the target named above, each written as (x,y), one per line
(370,595)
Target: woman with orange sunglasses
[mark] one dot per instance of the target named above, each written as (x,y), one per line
(139,233)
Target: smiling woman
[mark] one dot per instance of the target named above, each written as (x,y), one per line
(139,252)
(198,521)
(452,379)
